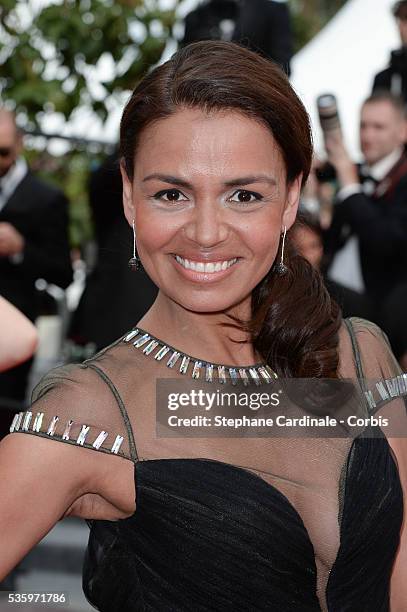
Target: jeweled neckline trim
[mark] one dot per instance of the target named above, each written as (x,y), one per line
(197,368)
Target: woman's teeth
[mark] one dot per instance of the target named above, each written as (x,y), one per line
(209,268)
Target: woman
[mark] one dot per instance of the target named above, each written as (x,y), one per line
(215,147)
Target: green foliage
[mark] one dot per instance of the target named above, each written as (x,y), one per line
(310,16)
(50,56)
(52,53)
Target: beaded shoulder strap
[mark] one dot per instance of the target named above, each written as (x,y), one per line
(47,427)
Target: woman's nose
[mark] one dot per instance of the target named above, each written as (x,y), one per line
(207,226)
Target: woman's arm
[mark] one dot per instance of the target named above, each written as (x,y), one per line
(42,480)
(19,337)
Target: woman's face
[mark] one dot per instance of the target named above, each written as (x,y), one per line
(209,199)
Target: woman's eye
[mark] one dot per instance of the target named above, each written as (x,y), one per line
(245,197)
(170,195)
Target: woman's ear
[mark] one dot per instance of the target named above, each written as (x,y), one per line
(128,205)
(292,201)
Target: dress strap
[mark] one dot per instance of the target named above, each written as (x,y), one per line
(123,411)
(357,357)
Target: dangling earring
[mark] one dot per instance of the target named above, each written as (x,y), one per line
(135,263)
(281,268)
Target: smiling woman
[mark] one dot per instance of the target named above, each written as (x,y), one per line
(215,147)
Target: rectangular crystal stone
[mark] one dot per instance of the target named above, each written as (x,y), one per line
(19,420)
(82,435)
(184,365)
(150,347)
(264,374)
(38,421)
(13,423)
(221,374)
(161,353)
(117,444)
(65,435)
(209,372)
(26,421)
(254,375)
(243,376)
(52,426)
(131,335)
(233,375)
(100,439)
(271,372)
(196,370)
(173,359)
(145,338)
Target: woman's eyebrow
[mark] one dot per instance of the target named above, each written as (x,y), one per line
(248,180)
(166,178)
(240,181)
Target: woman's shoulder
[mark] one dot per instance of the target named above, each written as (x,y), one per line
(365,351)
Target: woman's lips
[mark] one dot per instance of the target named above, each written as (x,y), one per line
(204,271)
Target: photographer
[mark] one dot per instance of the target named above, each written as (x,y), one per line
(372,200)
(394,78)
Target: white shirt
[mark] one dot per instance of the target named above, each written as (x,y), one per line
(377,171)
(10,181)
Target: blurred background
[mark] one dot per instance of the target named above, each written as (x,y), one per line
(66,71)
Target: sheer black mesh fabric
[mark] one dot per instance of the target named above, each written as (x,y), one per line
(250,524)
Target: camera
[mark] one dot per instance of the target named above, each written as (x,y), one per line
(329,120)
(328,112)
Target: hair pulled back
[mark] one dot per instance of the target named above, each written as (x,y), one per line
(294,322)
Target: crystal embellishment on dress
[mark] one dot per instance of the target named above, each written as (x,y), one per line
(221,374)
(117,444)
(197,369)
(21,422)
(26,421)
(67,431)
(52,426)
(150,347)
(209,372)
(184,364)
(244,377)
(38,421)
(100,439)
(254,375)
(82,435)
(233,376)
(258,374)
(145,338)
(162,353)
(131,335)
(173,359)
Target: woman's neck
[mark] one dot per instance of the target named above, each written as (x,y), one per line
(203,335)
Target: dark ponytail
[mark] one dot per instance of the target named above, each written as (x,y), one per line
(294,324)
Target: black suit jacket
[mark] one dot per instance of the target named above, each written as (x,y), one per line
(262,25)
(115,297)
(397,70)
(40,213)
(380,223)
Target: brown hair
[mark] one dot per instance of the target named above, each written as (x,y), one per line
(399,10)
(294,324)
(384,95)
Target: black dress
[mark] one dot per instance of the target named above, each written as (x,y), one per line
(230,524)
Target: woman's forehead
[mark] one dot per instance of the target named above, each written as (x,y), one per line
(217,142)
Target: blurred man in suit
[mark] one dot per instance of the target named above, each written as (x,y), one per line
(394,78)
(115,297)
(33,243)
(262,25)
(372,202)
